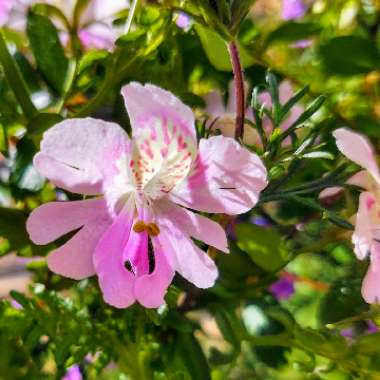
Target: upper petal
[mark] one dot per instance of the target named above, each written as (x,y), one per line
(358,149)
(226,178)
(55,219)
(75,152)
(148,100)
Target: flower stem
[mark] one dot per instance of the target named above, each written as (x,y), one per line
(130,16)
(239,89)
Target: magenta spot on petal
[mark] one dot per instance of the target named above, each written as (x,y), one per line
(370,202)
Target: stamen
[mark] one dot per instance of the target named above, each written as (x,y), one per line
(151,228)
(139,226)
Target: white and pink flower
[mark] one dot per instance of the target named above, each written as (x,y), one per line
(136,231)
(366,237)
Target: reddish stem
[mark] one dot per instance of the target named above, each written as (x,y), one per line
(239,89)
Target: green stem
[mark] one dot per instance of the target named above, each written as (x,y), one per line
(15,80)
(131,14)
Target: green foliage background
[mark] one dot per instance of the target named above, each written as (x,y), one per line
(238,329)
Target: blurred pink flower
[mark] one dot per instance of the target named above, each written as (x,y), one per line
(138,233)
(225,115)
(95,26)
(366,237)
(73,373)
(183,21)
(5,9)
(293,9)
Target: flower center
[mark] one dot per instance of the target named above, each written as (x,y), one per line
(161,156)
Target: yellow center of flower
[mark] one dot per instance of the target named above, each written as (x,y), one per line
(151,228)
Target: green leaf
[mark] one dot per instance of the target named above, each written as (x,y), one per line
(43,122)
(230,325)
(15,80)
(349,55)
(264,246)
(217,52)
(23,173)
(292,32)
(47,50)
(342,301)
(193,357)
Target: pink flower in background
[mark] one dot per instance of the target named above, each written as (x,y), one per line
(73,373)
(95,27)
(5,9)
(136,233)
(183,21)
(285,91)
(293,9)
(366,237)
(226,114)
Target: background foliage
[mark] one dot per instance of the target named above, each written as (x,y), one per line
(243,328)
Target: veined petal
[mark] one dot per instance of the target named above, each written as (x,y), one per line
(226,178)
(115,280)
(149,100)
(358,149)
(194,225)
(75,153)
(188,260)
(55,219)
(150,288)
(74,259)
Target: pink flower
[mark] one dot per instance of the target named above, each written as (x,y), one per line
(136,233)
(5,9)
(225,115)
(366,237)
(293,9)
(95,26)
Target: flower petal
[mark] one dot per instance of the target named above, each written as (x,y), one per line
(358,149)
(363,235)
(75,258)
(149,100)
(188,260)
(73,153)
(55,219)
(371,282)
(194,225)
(226,178)
(115,280)
(150,288)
